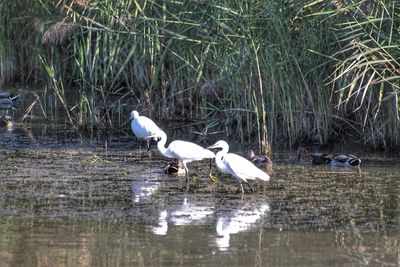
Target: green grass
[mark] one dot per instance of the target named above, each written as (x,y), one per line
(261,73)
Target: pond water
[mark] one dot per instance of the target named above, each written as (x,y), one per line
(67,201)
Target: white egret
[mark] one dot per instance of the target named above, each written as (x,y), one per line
(241,168)
(182,150)
(143,127)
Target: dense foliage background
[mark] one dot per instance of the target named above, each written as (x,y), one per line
(280,72)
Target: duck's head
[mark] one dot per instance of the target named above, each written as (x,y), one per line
(302,153)
(251,154)
(320,158)
(6,121)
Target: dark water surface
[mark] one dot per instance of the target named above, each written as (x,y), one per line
(66,201)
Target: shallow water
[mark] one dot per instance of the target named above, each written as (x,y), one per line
(68,201)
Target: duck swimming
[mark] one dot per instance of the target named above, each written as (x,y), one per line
(174,168)
(259,160)
(302,156)
(6,121)
(320,158)
(344,160)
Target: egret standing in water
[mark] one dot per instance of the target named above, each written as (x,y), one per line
(144,128)
(239,167)
(183,151)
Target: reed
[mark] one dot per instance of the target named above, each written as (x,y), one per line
(366,68)
(262,73)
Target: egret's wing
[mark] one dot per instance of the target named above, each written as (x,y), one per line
(243,167)
(189,151)
(144,127)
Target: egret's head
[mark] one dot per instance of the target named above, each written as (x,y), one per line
(221,144)
(159,135)
(134,115)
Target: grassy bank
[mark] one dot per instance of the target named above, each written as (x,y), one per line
(256,71)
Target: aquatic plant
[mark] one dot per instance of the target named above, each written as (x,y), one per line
(265,72)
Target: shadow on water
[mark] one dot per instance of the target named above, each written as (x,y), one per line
(69,201)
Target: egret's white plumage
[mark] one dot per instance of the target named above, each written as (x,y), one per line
(182,150)
(241,220)
(143,127)
(241,168)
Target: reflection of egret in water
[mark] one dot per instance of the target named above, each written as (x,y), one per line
(162,227)
(143,189)
(186,214)
(241,220)
(189,214)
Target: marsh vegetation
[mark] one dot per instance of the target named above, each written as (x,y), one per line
(267,72)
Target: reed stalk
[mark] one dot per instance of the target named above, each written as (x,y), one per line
(257,72)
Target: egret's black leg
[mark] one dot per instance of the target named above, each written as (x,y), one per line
(186,173)
(187,179)
(241,187)
(212,178)
(148,152)
(251,188)
(148,145)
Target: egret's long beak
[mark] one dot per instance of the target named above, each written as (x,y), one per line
(154,137)
(211,147)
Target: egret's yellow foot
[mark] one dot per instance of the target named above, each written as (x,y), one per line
(213,178)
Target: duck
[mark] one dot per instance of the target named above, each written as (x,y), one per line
(320,158)
(346,160)
(174,168)
(302,156)
(6,121)
(7,100)
(259,160)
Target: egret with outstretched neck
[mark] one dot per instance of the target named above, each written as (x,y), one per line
(184,151)
(239,167)
(143,127)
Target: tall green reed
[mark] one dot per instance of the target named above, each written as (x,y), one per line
(262,73)
(365,76)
